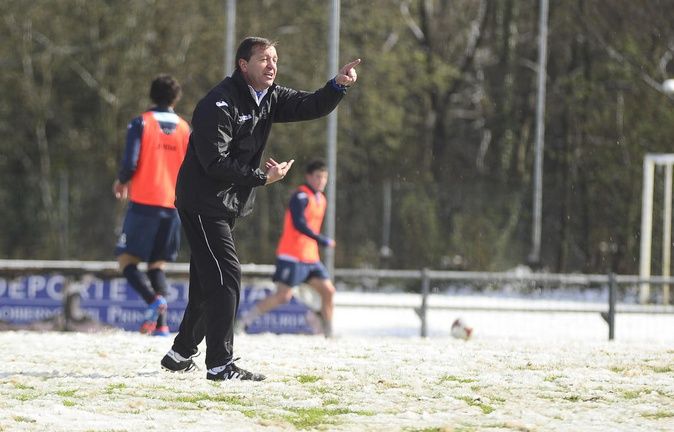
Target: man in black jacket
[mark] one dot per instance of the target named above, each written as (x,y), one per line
(216,184)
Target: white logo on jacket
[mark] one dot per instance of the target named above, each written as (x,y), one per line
(243,118)
(221,104)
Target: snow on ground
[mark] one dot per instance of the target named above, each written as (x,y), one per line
(521,371)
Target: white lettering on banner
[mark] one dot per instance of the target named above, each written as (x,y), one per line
(84,287)
(255,294)
(23,314)
(17,289)
(171,293)
(93,313)
(112,313)
(81,287)
(282,320)
(55,287)
(35,284)
(28,287)
(99,292)
(117,315)
(288,320)
(176,291)
(118,289)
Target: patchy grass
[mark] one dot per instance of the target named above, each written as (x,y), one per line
(390,384)
(453,378)
(661,393)
(250,413)
(200,397)
(69,403)
(530,366)
(512,425)
(107,430)
(362,356)
(552,378)
(66,393)
(306,418)
(434,429)
(497,399)
(307,379)
(662,369)
(658,414)
(23,419)
(485,408)
(23,397)
(111,388)
(321,390)
(633,394)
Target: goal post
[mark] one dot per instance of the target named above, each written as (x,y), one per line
(651,160)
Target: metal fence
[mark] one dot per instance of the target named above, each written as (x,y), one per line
(423,278)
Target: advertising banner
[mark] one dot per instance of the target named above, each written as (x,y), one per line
(27,299)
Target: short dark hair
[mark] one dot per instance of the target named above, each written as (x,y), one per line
(245,50)
(165,90)
(315,165)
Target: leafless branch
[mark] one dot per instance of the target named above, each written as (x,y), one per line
(407,17)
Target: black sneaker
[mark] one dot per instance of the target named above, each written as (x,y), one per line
(171,363)
(233,372)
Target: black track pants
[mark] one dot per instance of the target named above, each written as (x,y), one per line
(215,283)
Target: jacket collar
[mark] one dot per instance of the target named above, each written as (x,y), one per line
(242,85)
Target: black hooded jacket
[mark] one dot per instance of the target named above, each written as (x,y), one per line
(229,134)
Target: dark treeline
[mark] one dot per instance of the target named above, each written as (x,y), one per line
(443,112)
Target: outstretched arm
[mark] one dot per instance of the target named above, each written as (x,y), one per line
(294,105)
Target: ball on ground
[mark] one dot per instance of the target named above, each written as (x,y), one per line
(461,330)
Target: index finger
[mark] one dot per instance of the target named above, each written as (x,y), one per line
(351,65)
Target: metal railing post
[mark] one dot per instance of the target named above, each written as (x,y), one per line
(425,288)
(66,303)
(611,305)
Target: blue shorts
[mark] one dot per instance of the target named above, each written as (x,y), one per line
(150,233)
(293,273)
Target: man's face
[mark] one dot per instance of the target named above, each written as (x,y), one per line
(260,70)
(318,180)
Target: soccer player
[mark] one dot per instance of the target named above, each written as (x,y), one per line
(156,143)
(216,185)
(297,257)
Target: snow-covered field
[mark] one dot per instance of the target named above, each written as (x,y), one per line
(520,371)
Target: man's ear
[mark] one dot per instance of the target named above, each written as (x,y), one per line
(243,65)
